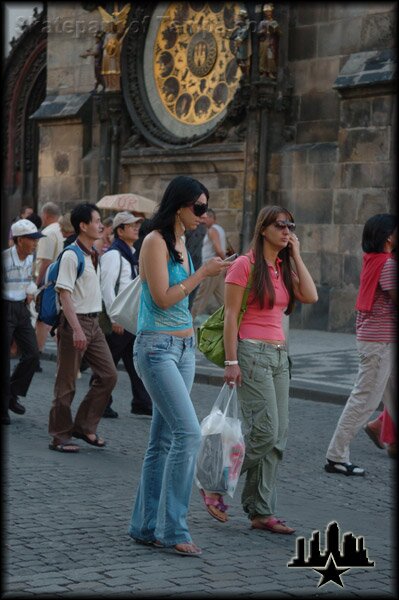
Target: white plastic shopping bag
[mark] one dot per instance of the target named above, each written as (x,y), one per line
(125,307)
(222,448)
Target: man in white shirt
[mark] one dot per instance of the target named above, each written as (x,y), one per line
(18,291)
(118,267)
(48,249)
(214,244)
(79,333)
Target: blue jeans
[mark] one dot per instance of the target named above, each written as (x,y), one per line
(166,364)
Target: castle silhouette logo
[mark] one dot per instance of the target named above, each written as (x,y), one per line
(332,563)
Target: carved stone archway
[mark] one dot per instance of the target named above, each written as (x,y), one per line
(24,83)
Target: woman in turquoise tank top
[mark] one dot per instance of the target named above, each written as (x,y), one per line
(164,358)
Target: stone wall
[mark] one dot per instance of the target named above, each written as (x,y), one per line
(67,160)
(147,171)
(70,31)
(337,169)
(60,163)
(334,171)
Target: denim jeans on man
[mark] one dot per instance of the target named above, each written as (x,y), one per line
(166,364)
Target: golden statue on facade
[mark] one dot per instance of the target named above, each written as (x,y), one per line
(115,30)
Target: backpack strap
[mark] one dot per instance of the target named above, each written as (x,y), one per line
(79,255)
(81,268)
(119,275)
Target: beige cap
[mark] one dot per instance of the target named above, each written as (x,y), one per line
(124,218)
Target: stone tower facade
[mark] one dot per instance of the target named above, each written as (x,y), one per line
(329,151)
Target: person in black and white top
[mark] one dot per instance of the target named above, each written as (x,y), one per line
(214,244)
(119,266)
(18,291)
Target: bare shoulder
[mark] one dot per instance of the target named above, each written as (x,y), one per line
(153,240)
(154,243)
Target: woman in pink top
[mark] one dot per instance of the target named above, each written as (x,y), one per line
(257,360)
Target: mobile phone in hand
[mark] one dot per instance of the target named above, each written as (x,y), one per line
(230,258)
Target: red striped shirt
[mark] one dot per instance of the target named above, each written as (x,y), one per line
(379,323)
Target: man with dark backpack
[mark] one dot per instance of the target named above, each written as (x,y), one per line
(79,333)
(47,302)
(118,267)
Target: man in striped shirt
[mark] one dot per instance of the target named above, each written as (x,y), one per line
(18,291)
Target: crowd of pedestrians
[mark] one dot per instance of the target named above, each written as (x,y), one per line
(160,359)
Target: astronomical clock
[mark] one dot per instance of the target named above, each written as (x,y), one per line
(178,69)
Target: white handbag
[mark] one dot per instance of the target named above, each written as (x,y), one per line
(125,308)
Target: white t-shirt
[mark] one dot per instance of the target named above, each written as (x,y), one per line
(85,290)
(49,247)
(208,249)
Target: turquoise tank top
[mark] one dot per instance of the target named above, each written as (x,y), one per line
(174,318)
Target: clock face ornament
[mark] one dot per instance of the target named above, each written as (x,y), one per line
(189,70)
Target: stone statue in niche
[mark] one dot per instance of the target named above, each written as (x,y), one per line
(241,41)
(97,52)
(268,33)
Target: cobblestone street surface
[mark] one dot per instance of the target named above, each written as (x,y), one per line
(66,516)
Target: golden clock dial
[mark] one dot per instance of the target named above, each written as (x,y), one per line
(194,70)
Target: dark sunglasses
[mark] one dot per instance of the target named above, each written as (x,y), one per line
(284,224)
(198,208)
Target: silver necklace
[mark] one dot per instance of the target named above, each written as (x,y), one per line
(274,268)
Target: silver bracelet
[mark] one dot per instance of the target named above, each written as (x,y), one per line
(230,363)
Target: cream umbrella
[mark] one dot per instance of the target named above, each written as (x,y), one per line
(131,202)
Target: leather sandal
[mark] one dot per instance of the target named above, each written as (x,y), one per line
(96,442)
(218,504)
(274,525)
(343,468)
(67,447)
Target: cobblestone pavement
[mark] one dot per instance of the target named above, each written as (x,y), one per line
(66,516)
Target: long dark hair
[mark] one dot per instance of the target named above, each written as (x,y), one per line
(376,231)
(181,191)
(262,283)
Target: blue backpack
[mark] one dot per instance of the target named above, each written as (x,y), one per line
(47,302)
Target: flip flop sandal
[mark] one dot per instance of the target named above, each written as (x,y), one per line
(64,447)
(196,551)
(343,468)
(157,544)
(270,525)
(217,503)
(85,438)
(146,542)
